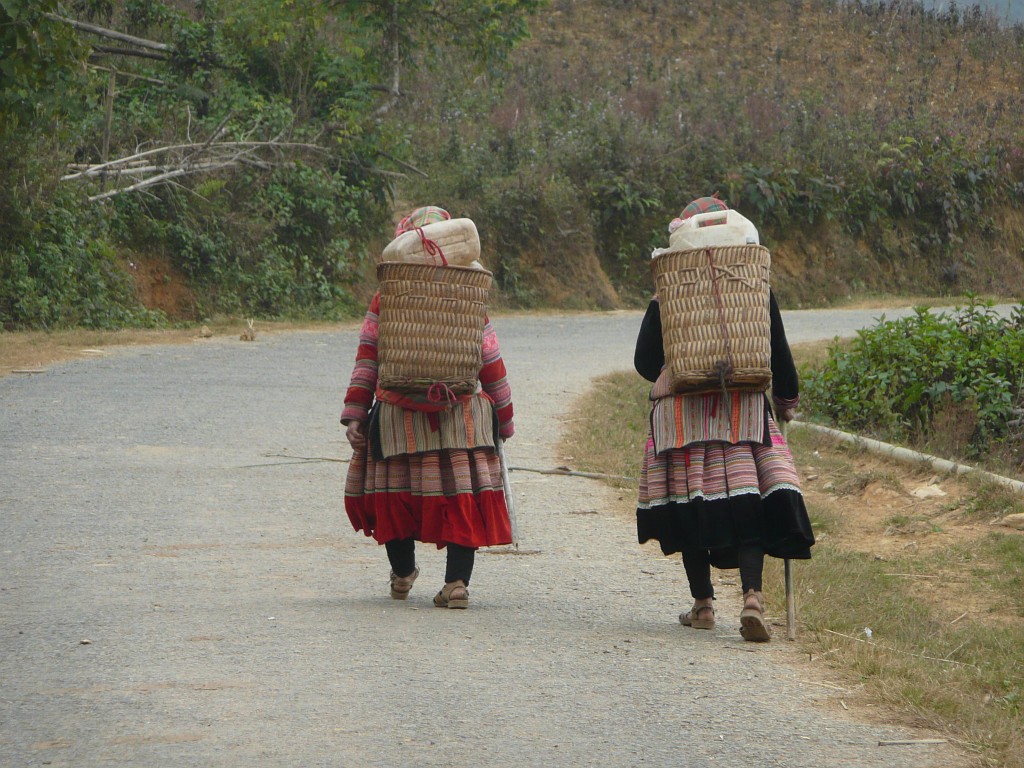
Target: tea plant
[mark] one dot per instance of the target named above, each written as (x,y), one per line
(893,379)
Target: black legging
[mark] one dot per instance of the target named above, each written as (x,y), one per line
(402,555)
(697,563)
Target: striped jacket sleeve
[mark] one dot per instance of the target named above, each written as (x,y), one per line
(363,384)
(494,380)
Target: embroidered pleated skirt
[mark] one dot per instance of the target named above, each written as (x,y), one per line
(448,496)
(716,495)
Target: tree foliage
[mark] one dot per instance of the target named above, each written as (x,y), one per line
(242,141)
(900,177)
(40,61)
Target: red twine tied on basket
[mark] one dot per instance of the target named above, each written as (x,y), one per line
(431,248)
(441,392)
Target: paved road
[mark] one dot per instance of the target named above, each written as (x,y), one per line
(175,592)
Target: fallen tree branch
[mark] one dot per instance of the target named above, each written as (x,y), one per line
(111,33)
(216,132)
(112,50)
(403,164)
(189,158)
(151,181)
(130,75)
(191,147)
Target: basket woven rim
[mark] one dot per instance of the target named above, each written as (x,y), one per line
(743,247)
(401,266)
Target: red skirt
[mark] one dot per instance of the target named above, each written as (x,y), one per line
(437,497)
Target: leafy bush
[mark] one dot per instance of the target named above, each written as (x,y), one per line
(67,274)
(899,131)
(257,130)
(894,379)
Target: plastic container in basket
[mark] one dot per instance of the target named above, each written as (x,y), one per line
(431,327)
(715,320)
(714,228)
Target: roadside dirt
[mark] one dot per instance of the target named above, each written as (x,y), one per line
(26,352)
(160,285)
(892,510)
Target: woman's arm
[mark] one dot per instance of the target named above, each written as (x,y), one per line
(494,381)
(785,382)
(363,383)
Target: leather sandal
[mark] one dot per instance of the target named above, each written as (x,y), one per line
(401,585)
(697,617)
(753,627)
(454,595)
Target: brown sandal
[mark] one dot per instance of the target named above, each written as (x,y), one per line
(753,627)
(692,617)
(402,585)
(454,595)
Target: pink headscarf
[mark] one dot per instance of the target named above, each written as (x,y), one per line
(428,214)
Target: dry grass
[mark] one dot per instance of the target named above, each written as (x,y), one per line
(591,447)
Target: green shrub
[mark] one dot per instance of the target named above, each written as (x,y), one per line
(66,274)
(895,378)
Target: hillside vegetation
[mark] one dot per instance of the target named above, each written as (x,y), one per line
(877,146)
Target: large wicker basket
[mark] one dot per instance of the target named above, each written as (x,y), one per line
(431,327)
(715,321)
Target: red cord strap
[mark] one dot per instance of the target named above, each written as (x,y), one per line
(432,248)
(441,392)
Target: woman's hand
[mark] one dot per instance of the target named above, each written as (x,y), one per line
(787,414)
(354,435)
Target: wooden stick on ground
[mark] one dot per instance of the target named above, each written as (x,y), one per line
(790,601)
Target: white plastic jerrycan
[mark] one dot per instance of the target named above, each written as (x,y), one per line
(726,228)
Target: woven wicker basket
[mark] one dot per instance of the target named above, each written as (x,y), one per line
(715,321)
(431,326)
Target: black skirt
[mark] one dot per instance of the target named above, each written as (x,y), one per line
(778,522)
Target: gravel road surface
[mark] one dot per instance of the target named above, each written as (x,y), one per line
(178,588)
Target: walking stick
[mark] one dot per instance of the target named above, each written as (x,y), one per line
(788,571)
(790,601)
(510,501)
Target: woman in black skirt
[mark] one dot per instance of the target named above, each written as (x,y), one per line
(717,482)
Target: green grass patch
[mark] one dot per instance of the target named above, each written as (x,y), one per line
(990,502)
(997,562)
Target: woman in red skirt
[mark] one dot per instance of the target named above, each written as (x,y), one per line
(717,482)
(424,470)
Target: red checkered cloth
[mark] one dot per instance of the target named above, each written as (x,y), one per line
(700,205)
